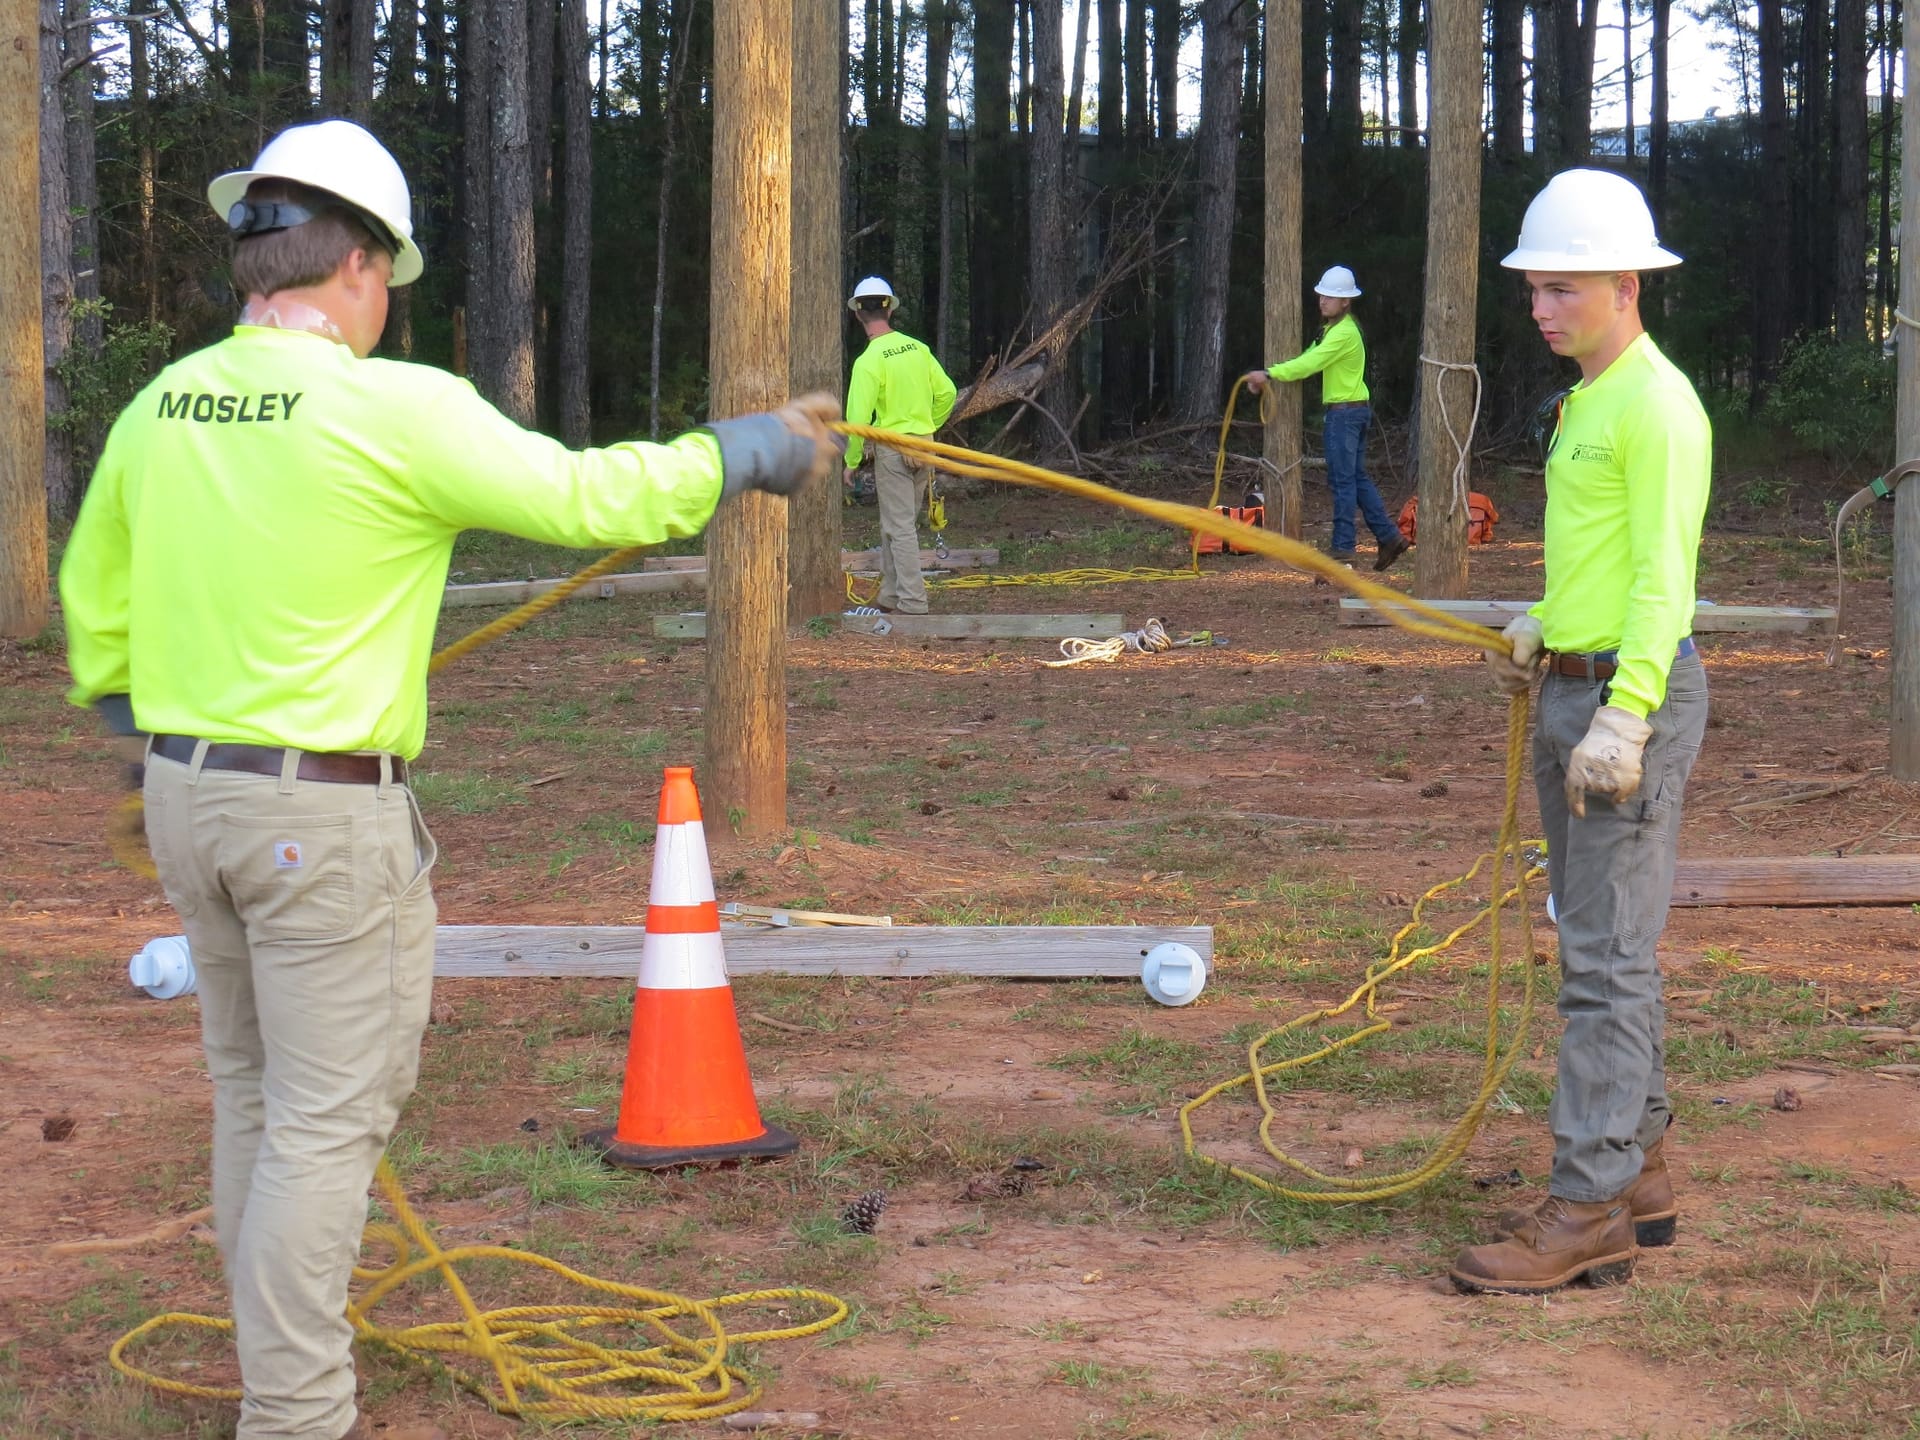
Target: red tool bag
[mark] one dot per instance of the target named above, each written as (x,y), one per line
(1247,515)
(1481,518)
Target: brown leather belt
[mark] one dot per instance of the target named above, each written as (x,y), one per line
(268,759)
(1603,665)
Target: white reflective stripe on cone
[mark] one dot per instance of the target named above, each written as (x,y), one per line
(683,962)
(681,875)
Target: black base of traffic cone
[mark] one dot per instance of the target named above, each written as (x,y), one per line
(770,1145)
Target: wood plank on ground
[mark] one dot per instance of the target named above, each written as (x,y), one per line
(605,587)
(937,627)
(1799,880)
(850,560)
(1057,952)
(1706,618)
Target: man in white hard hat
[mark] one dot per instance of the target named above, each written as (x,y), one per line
(898,385)
(1622,712)
(1339,358)
(253,581)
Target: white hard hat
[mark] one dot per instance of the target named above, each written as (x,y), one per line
(1589,221)
(1337,284)
(343,159)
(868,288)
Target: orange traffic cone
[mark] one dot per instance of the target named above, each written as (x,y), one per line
(688,1097)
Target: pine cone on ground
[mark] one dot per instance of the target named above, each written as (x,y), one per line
(863,1213)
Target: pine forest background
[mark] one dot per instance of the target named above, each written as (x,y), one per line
(559,149)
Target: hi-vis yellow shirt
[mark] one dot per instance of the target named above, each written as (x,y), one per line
(1627,483)
(1339,358)
(262,552)
(897,385)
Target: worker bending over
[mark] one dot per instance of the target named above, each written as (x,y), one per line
(1339,358)
(254,579)
(1622,712)
(897,385)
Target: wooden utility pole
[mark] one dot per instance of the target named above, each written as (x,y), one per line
(1905,758)
(819,307)
(23,492)
(1281,337)
(750,332)
(1455,77)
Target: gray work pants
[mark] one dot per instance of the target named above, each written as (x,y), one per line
(1612,875)
(902,487)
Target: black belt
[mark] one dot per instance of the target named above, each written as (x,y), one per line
(1345,404)
(271,759)
(1603,664)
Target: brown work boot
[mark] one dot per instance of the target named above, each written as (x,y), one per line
(1656,1214)
(1389,551)
(1561,1242)
(363,1430)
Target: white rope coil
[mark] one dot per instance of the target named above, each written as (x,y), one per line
(1150,639)
(1462,446)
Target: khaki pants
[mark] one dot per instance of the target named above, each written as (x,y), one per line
(1612,876)
(902,487)
(310,912)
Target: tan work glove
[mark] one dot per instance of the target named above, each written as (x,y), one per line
(1256,380)
(1607,762)
(1514,668)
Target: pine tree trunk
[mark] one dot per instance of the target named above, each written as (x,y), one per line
(1166,70)
(1546,79)
(543,18)
(56,265)
(1222,41)
(819,306)
(475,60)
(1889,28)
(346,58)
(1077,87)
(508,378)
(1509,86)
(1455,78)
(400,106)
(140,120)
(994,248)
(936,253)
(752,229)
(576,246)
(1408,36)
(1850,169)
(1658,136)
(1139,111)
(1811,258)
(1049,242)
(23,492)
(83,195)
(1281,331)
(1579,31)
(1313,69)
(679,63)
(1343,96)
(1772,313)
(1112,79)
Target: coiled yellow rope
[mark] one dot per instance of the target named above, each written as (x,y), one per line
(541,1359)
(1507,857)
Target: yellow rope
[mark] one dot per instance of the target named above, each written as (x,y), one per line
(1507,858)
(541,1359)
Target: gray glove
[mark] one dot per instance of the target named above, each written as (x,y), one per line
(778,451)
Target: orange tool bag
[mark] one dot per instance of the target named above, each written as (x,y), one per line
(1481,518)
(1252,512)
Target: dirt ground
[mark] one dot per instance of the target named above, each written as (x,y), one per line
(1295,787)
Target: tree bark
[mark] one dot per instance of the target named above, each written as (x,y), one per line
(1509,84)
(1546,79)
(576,245)
(346,58)
(678,65)
(83,197)
(819,307)
(1113,83)
(1222,39)
(993,249)
(746,719)
(1889,27)
(1049,241)
(1772,312)
(1408,37)
(55,209)
(936,254)
(1658,135)
(1313,69)
(400,107)
(1139,112)
(506,376)
(23,493)
(1850,169)
(140,122)
(1812,260)
(1166,70)
(1077,87)
(1579,27)
(475,60)
(1905,696)
(1281,313)
(1455,78)
(1343,95)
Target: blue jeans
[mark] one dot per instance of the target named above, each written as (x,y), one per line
(1346,447)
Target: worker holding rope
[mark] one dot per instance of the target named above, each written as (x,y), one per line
(897,385)
(254,579)
(1622,712)
(1339,358)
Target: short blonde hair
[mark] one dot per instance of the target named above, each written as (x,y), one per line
(303,254)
